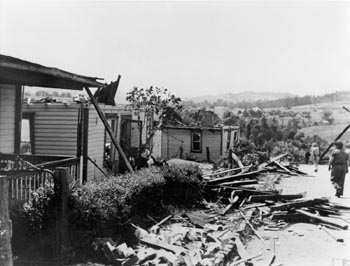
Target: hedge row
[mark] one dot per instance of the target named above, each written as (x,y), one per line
(106,208)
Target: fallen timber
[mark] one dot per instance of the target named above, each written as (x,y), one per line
(211,236)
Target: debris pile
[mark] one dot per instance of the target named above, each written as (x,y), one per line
(243,202)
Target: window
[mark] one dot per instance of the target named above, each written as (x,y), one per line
(27,134)
(196,141)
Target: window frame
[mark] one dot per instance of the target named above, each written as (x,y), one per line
(29,116)
(199,132)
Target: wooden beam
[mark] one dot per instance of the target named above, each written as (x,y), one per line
(338,137)
(259,198)
(297,204)
(85,142)
(109,130)
(61,180)
(5,228)
(327,220)
(18,118)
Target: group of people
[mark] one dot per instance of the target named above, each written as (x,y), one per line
(338,164)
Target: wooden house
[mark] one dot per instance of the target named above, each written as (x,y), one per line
(60,135)
(198,143)
(76,130)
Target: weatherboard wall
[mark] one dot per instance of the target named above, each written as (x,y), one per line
(174,138)
(7,118)
(55,128)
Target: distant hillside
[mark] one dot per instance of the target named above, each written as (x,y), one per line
(247,96)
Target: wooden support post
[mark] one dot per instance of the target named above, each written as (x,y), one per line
(5,227)
(109,130)
(61,178)
(338,137)
(208,154)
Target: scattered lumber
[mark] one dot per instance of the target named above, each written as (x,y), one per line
(326,220)
(153,242)
(332,235)
(297,204)
(233,177)
(240,182)
(262,198)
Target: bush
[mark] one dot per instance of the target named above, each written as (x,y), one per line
(105,208)
(190,174)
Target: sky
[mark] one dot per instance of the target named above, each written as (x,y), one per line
(192,48)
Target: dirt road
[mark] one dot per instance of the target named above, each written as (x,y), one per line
(303,244)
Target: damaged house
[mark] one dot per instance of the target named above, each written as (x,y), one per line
(76,136)
(196,143)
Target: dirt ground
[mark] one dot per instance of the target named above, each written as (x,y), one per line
(303,244)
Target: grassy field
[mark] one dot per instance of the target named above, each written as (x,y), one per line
(327,132)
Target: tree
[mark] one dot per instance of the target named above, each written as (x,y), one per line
(327,115)
(154,102)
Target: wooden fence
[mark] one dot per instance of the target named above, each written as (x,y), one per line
(60,179)
(24,178)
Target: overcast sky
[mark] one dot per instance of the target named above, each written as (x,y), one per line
(191,48)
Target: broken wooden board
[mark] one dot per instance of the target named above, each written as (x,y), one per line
(200,218)
(327,220)
(297,204)
(239,183)
(227,171)
(153,242)
(262,198)
(233,177)
(333,234)
(278,165)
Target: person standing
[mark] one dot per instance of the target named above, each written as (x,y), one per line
(307,157)
(315,155)
(338,165)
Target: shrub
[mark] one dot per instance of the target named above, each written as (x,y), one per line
(190,174)
(105,208)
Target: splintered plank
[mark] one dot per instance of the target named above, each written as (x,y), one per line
(297,204)
(233,177)
(199,218)
(240,182)
(326,220)
(153,242)
(262,198)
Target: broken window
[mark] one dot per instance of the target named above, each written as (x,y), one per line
(27,134)
(196,141)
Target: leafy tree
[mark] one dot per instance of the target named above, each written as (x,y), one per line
(327,115)
(153,102)
(201,117)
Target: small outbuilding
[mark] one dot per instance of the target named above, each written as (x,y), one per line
(196,143)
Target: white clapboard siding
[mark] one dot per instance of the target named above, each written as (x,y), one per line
(171,142)
(211,139)
(96,137)
(7,118)
(173,137)
(157,145)
(55,128)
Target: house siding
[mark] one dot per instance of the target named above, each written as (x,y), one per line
(97,137)
(55,128)
(7,118)
(172,139)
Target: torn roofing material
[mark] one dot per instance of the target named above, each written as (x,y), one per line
(17,71)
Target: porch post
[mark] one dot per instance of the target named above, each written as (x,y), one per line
(18,118)
(5,227)
(109,130)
